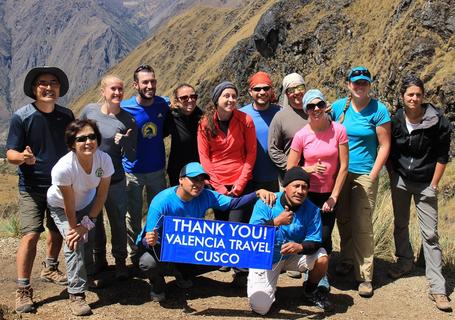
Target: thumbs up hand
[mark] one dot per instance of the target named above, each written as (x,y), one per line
(118,136)
(319,167)
(284,218)
(29,157)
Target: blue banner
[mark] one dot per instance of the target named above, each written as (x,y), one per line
(217,243)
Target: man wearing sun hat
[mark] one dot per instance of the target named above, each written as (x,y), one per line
(188,199)
(262,110)
(35,143)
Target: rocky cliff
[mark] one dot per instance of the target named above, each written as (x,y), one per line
(321,40)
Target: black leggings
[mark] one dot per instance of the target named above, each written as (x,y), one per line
(328,219)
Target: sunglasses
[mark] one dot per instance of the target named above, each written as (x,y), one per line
(299,88)
(258,89)
(311,106)
(357,73)
(188,97)
(90,136)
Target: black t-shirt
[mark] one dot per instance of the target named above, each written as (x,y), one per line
(44,133)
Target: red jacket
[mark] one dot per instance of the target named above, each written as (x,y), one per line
(229,159)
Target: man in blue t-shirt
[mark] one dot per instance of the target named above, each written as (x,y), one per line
(262,111)
(188,199)
(150,113)
(298,241)
(35,143)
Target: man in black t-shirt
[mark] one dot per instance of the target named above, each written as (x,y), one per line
(35,143)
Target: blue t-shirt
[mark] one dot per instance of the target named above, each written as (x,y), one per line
(361,130)
(150,154)
(167,203)
(264,169)
(305,226)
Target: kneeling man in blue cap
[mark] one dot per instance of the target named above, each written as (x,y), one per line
(189,199)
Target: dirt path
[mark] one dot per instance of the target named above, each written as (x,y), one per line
(213,297)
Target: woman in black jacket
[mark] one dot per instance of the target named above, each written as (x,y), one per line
(182,126)
(420,152)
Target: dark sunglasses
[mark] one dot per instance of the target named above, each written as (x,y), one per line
(186,98)
(90,136)
(258,89)
(311,106)
(357,73)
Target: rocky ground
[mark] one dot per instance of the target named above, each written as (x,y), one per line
(213,297)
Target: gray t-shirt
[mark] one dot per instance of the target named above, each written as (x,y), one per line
(109,125)
(282,130)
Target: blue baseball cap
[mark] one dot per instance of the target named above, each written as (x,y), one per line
(359,73)
(193,169)
(310,95)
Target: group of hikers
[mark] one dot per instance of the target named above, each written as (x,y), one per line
(300,166)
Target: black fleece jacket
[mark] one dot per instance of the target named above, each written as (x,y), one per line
(414,155)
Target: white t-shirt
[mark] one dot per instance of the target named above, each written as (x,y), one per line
(68,172)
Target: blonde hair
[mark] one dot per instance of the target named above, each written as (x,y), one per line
(105,81)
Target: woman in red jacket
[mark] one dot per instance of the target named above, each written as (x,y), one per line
(227,147)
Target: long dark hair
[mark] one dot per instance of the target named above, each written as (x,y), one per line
(209,115)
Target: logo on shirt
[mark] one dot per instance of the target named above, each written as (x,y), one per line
(160,115)
(149,130)
(99,172)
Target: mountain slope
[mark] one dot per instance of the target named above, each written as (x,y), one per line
(320,40)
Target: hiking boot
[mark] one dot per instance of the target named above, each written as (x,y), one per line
(365,289)
(24,302)
(121,271)
(343,268)
(294,274)
(157,296)
(441,301)
(53,274)
(399,269)
(78,305)
(319,298)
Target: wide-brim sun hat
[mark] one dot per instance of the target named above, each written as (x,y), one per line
(35,72)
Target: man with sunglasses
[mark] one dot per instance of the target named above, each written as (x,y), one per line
(189,199)
(35,143)
(150,112)
(262,111)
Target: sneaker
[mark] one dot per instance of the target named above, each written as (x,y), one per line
(184,283)
(343,268)
(53,274)
(78,305)
(365,289)
(294,274)
(121,271)
(399,269)
(224,269)
(24,302)
(157,297)
(319,298)
(441,301)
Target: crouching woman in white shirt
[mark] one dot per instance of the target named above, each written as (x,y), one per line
(80,181)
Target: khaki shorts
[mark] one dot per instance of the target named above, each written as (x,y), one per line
(33,209)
